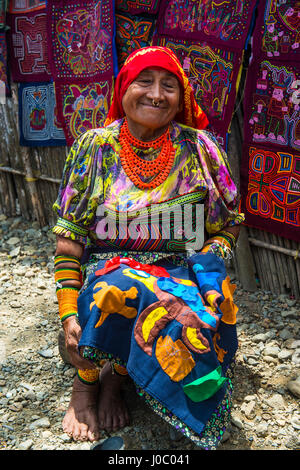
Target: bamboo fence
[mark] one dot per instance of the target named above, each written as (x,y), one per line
(30,177)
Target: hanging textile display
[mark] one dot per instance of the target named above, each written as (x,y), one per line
(83,62)
(132,32)
(224,23)
(80,39)
(21,6)
(39,125)
(28,46)
(270,168)
(270,187)
(271,105)
(213,73)
(82,107)
(278,31)
(209,38)
(3,6)
(3,64)
(136,7)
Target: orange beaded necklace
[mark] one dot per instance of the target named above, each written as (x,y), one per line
(135,166)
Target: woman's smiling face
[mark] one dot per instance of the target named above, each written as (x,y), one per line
(152,85)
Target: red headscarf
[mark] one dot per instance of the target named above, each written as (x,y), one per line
(156,56)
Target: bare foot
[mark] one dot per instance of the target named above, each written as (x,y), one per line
(112,412)
(81,420)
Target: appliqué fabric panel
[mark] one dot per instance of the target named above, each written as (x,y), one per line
(221,23)
(39,125)
(277,34)
(82,106)
(271,106)
(132,32)
(138,6)
(80,39)
(28,46)
(213,73)
(3,65)
(271,189)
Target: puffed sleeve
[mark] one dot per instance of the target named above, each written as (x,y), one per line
(81,188)
(221,207)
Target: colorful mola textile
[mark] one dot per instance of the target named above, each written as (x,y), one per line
(176,335)
(82,106)
(80,39)
(17,6)
(222,23)
(132,33)
(28,46)
(3,6)
(214,75)
(3,63)
(39,125)
(136,7)
(277,34)
(270,189)
(271,105)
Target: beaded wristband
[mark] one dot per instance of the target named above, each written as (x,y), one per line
(218,249)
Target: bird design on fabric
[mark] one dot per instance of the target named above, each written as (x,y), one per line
(111,299)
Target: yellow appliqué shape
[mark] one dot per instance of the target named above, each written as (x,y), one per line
(191,334)
(174,358)
(150,321)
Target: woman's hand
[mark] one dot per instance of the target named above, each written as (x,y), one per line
(72,336)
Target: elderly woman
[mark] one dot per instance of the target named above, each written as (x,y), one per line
(137,295)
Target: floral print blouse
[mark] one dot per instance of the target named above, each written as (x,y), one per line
(94,178)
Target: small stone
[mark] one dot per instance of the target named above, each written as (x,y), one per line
(284,354)
(248,409)
(294,387)
(276,401)
(295,422)
(296,357)
(262,429)
(271,351)
(13,241)
(15,304)
(15,252)
(40,423)
(225,436)
(25,445)
(65,438)
(237,422)
(47,353)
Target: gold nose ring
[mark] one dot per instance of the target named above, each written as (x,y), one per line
(155,103)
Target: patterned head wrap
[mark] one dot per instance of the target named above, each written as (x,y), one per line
(156,56)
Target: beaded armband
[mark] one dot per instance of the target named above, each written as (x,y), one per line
(67,302)
(67,294)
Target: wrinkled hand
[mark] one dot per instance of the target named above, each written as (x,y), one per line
(72,336)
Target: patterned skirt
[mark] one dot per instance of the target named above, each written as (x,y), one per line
(173,326)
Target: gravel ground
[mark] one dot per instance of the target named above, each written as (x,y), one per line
(35,384)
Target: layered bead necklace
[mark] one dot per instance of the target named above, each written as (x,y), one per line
(135,166)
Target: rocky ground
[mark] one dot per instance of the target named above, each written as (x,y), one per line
(35,384)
